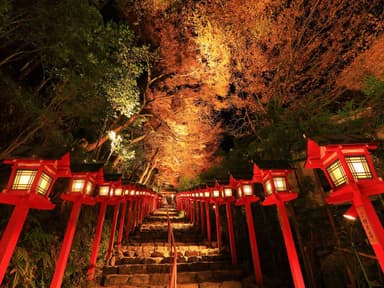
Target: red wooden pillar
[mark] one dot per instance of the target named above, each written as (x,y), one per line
(197,213)
(134,214)
(96,241)
(290,246)
(218,232)
(113,231)
(371,224)
(232,243)
(66,245)
(192,213)
(122,222)
(253,244)
(128,227)
(208,217)
(11,236)
(202,220)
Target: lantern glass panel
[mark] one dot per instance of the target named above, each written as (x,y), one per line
(201,194)
(228,192)
(118,192)
(77,185)
(104,190)
(44,184)
(23,179)
(280,184)
(247,189)
(89,188)
(359,167)
(239,192)
(216,193)
(337,173)
(206,194)
(268,186)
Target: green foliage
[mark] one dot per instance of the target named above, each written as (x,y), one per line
(67,70)
(34,259)
(4,14)
(186,183)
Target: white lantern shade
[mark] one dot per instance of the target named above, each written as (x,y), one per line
(239,192)
(359,167)
(216,193)
(44,184)
(118,191)
(77,185)
(104,190)
(228,192)
(337,173)
(280,184)
(89,188)
(247,189)
(23,179)
(268,187)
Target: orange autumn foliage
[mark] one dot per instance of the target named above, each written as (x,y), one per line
(236,55)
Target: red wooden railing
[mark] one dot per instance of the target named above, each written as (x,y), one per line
(172,246)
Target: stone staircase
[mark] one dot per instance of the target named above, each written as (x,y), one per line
(145,261)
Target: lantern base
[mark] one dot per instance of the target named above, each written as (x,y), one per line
(281,196)
(246,199)
(33,201)
(72,197)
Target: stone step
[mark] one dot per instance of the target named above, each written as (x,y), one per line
(145,260)
(225,284)
(163,237)
(159,259)
(150,252)
(164,267)
(163,246)
(151,279)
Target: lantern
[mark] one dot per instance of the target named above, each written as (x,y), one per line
(106,195)
(245,196)
(81,187)
(227,198)
(29,187)
(277,192)
(352,176)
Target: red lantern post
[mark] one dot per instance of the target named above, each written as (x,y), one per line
(227,198)
(277,192)
(207,195)
(202,218)
(130,197)
(29,186)
(125,199)
(104,197)
(81,190)
(115,201)
(246,196)
(352,176)
(215,199)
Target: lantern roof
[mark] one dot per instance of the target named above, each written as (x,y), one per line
(315,151)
